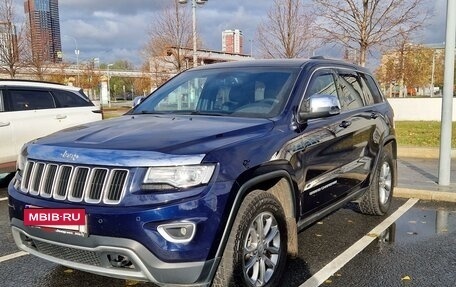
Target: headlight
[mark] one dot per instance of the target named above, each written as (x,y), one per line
(180,176)
(22,158)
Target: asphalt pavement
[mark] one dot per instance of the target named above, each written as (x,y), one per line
(418,176)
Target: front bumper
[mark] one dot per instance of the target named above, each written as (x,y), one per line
(94,254)
(130,232)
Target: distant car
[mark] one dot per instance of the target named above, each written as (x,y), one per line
(137,100)
(30,109)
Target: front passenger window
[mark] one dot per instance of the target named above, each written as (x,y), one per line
(322,84)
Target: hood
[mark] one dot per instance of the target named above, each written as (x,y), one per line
(160,133)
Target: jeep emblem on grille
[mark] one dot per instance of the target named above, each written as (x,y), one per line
(71,156)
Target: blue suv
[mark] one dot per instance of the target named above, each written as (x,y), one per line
(211,177)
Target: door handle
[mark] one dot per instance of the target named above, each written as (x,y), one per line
(345,124)
(4,124)
(60,117)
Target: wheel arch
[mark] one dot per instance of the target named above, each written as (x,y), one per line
(279,183)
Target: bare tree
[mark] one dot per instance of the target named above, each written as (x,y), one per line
(288,30)
(362,25)
(11,40)
(170,36)
(35,62)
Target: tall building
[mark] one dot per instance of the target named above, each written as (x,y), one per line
(44,24)
(232,41)
(8,43)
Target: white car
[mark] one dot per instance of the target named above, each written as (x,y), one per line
(30,109)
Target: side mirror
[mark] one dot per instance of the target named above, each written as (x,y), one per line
(319,106)
(137,100)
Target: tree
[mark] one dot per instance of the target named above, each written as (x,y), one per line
(362,25)
(142,85)
(119,86)
(11,40)
(34,61)
(170,37)
(288,31)
(411,65)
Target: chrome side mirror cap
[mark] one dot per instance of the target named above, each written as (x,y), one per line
(319,106)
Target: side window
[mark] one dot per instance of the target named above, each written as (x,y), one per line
(68,99)
(373,88)
(351,92)
(368,98)
(322,83)
(2,102)
(31,100)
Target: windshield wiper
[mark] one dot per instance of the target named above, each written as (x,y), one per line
(208,113)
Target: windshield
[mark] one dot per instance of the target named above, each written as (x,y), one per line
(238,92)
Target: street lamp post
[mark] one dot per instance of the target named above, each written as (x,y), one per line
(109,87)
(194,3)
(76,52)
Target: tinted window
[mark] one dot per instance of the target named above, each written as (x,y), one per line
(2,102)
(322,83)
(368,98)
(373,88)
(31,100)
(68,99)
(351,92)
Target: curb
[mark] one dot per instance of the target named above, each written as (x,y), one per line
(425,194)
(421,152)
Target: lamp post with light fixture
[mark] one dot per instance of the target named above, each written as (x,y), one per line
(109,87)
(194,3)
(76,52)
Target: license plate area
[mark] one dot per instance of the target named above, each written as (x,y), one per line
(60,220)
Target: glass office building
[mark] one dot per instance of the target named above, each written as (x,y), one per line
(44,25)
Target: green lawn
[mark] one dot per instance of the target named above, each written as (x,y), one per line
(421,134)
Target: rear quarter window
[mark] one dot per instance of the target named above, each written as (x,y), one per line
(2,102)
(373,88)
(68,99)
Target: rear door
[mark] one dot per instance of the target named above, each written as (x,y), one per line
(7,153)
(74,109)
(32,114)
(334,162)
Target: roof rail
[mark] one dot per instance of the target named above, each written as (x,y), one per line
(31,81)
(317,57)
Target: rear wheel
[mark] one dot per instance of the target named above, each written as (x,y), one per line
(255,254)
(377,199)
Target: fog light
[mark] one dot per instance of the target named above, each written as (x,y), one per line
(181,232)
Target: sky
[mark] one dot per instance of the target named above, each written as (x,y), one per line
(117,29)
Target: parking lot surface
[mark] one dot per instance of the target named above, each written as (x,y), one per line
(417,249)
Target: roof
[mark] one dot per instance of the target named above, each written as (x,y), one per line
(37,84)
(283,63)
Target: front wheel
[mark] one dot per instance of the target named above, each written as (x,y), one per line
(255,254)
(377,199)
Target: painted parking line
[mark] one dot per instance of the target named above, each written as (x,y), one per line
(3,198)
(335,265)
(12,256)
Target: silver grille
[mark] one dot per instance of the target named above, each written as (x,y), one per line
(74,183)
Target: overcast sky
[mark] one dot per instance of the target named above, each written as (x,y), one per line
(117,29)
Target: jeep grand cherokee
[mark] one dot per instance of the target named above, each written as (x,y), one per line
(210,178)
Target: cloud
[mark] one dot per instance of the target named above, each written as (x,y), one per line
(117,29)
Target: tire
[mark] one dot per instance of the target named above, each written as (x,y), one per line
(245,262)
(377,199)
